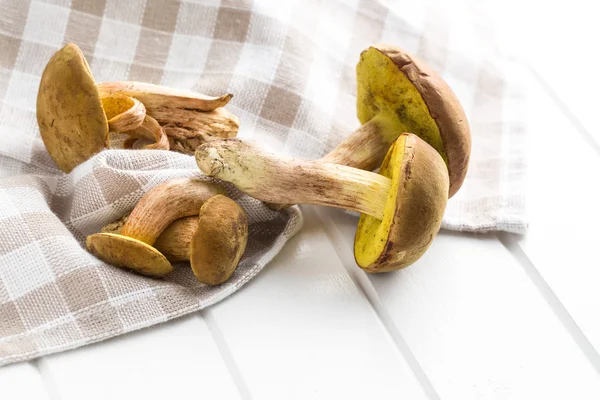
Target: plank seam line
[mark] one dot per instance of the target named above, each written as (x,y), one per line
(225,353)
(47,380)
(583,131)
(364,285)
(561,312)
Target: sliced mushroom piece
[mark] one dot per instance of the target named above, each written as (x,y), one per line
(132,247)
(402,206)
(397,93)
(75,115)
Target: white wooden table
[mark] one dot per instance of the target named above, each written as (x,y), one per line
(479,316)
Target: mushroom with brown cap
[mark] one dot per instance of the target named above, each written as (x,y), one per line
(402,206)
(75,115)
(165,203)
(397,93)
(213,242)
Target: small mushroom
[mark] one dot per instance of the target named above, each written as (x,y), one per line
(75,115)
(212,242)
(396,93)
(220,240)
(132,247)
(402,206)
(188,118)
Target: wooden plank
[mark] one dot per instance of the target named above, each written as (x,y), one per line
(22,381)
(301,329)
(177,360)
(474,320)
(564,195)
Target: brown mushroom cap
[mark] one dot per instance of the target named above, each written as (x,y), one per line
(220,240)
(69,111)
(402,94)
(126,252)
(413,212)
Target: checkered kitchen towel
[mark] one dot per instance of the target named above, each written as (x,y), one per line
(290,66)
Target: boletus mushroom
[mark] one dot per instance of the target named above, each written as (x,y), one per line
(402,205)
(165,203)
(397,93)
(213,242)
(75,115)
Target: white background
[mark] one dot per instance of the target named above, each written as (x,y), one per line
(480,316)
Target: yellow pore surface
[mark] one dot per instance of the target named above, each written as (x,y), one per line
(126,252)
(386,95)
(116,104)
(371,233)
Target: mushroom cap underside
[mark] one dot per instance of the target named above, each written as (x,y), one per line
(402,94)
(126,252)
(220,240)
(413,211)
(69,111)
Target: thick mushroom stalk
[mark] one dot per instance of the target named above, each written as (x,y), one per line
(165,203)
(402,206)
(273,178)
(213,241)
(397,93)
(75,115)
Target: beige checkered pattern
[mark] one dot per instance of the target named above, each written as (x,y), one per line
(290,65)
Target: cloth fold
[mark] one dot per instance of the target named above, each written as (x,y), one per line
(290,66)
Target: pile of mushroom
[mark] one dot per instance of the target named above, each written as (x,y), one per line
(414,129)
(75,115)
(179,220)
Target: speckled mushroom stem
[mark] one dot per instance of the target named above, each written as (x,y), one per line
(278,179)
(164,204)
(364,148)
(188,119)
(156,97)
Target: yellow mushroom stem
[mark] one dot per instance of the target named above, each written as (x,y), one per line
(278,179)
(364,148)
